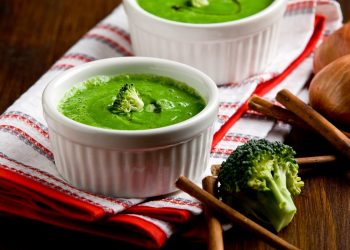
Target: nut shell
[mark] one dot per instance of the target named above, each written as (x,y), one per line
(329,91)
(333,47)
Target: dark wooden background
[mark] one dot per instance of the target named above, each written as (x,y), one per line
(35,33)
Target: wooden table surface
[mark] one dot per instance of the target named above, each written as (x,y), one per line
(35,33)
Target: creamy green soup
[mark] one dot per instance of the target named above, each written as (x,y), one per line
(215,11)
(166,102)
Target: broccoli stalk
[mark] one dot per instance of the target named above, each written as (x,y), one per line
(127,100)
(260,178)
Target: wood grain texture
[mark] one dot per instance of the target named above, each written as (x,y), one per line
(35,33)
(345,5)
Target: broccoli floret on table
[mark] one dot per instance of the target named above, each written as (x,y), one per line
(127,100)
(260,178)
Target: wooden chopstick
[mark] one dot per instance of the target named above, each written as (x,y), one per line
(303,162)
(271,110)
(211,201)
(315,160)
(315,120)
(215,238)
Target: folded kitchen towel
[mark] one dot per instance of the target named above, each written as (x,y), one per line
(30,185)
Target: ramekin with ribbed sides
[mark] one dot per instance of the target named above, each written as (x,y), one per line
(227,52)
(130,163)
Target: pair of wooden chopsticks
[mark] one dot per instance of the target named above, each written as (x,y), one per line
(296,113)
(208,197)
(271,110)
(215,240)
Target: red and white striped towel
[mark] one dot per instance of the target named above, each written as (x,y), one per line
(30,185)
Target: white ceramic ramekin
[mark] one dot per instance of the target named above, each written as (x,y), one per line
(227,52)
(123,163)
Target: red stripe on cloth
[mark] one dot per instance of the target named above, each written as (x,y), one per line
(227,105)
(43,183)
(236,138)
(223,117)
(181,201)
(79,57)
(155,236)
(20,133)
(113,44)
(224,151)
(167,211)
(27,121)
(174,215)
(114,29)
(61,66)
(66,205)
(264,88)
(133,231)
(301,5)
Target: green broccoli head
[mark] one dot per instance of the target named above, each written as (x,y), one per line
(127,100)
(260,178)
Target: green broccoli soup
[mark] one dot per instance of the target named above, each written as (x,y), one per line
(203,11)
(131,102)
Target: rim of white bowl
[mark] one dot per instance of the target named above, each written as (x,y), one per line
(51,109)
(274,6)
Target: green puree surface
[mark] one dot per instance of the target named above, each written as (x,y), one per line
(217,11)
(88,102)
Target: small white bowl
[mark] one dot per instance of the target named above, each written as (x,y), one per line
(124,163)
(227,52)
